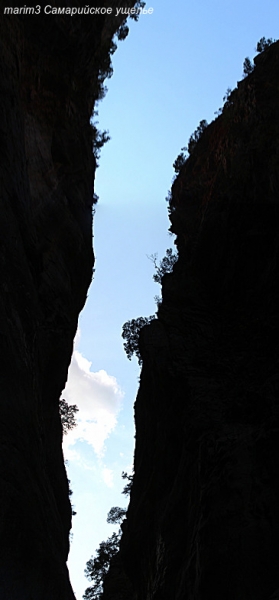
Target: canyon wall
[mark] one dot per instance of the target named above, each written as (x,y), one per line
(203,520)
(52,68)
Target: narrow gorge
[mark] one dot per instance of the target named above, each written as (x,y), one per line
(203,519)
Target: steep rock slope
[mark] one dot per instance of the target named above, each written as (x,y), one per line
(51,69)
(203,521)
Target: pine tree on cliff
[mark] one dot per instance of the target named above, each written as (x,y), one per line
(98,566)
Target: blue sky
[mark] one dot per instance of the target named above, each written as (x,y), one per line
(172,71)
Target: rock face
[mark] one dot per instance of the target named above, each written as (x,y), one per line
(51,69)
(203,521)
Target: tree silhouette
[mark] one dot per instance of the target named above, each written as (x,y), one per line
(180,160)
(67,414)
(194,138)
(128,486)
(116,514)
(130,333)
(264,43)
(247,66)
(97,568)
(165,265)
(131,329)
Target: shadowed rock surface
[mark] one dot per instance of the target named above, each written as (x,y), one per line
(51,68)
(203,521)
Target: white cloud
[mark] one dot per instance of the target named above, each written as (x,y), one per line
(98,397)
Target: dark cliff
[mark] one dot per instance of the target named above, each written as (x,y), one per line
(51,70)
(203,521)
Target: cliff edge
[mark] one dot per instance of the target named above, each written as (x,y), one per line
(52,68)
(203,520)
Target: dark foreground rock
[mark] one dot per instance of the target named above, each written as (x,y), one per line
(203,521)
(51,68)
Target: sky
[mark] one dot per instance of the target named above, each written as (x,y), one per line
(171,72)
